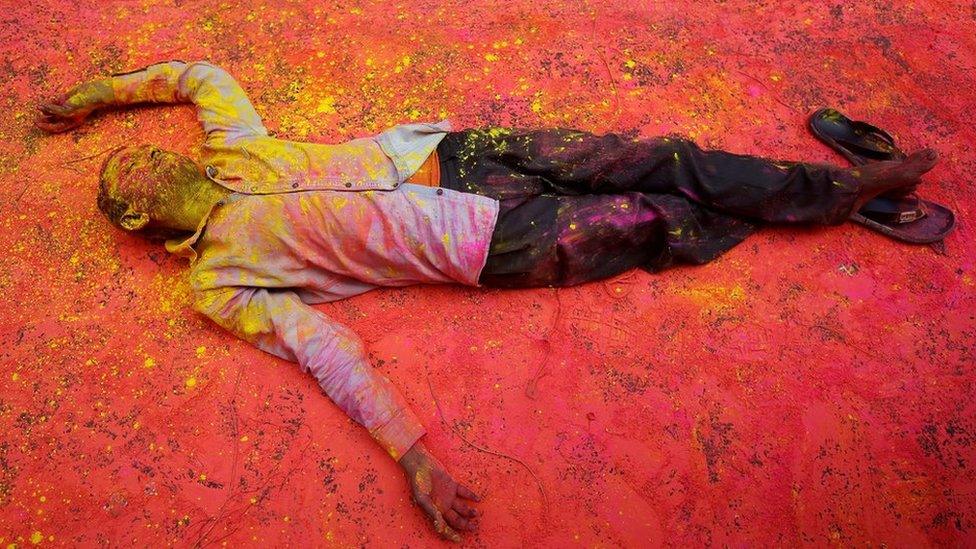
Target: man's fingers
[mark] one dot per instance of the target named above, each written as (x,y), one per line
(55,123)
(43,124)
(465,493)
(451,534)
(428,506)
(53,109)
(50,126)
(464,509)
(457,521)
(440,525)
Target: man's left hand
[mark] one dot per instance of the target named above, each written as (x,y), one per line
(70,111)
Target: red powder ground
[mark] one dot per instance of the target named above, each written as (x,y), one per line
(809,387)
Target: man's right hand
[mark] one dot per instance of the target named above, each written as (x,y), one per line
(438,494)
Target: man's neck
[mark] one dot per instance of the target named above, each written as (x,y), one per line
(192,205)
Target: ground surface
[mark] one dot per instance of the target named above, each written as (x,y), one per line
(809,387)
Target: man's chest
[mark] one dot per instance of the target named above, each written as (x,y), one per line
(265,165)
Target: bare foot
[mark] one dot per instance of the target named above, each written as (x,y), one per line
(894,177)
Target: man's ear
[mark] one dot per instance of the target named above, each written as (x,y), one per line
(134,221)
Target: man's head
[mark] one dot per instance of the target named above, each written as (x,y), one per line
(151,190)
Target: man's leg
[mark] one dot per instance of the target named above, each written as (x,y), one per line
(568,162)
(578,207)
(543,238)
(553,240)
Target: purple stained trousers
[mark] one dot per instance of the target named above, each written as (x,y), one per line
(576,207)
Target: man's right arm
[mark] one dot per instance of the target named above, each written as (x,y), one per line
(278,322)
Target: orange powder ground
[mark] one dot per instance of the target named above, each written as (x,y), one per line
(809,387)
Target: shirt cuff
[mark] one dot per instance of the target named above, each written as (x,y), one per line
(399,434)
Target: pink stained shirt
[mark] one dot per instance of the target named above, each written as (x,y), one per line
(310,223)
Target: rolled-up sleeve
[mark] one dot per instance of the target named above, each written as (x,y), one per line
(222,105)
(278,322)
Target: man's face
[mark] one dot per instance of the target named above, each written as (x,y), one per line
(145,181)
(148,170)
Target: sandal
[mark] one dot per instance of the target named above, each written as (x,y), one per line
(900,215)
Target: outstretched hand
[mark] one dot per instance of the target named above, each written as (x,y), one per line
(72,108)
(443,499)
(60,117)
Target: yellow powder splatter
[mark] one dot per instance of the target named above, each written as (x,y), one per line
(446,239)
(326,105)
(191,382)
(495,133)
(716,298)
(36,538)
(150,362)
(15,376)
(201,350)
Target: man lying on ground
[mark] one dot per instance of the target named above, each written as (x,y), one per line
(272,226)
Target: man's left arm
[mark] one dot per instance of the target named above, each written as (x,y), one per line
(222,105)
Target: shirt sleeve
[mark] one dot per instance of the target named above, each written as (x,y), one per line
(278,322)
(222,105)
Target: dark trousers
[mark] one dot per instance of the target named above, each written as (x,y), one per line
(576,207)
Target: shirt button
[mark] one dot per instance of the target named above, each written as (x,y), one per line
(294,185)
(211,171)
(348,185)
(440,191)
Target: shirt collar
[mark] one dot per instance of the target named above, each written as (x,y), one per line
(184,248)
